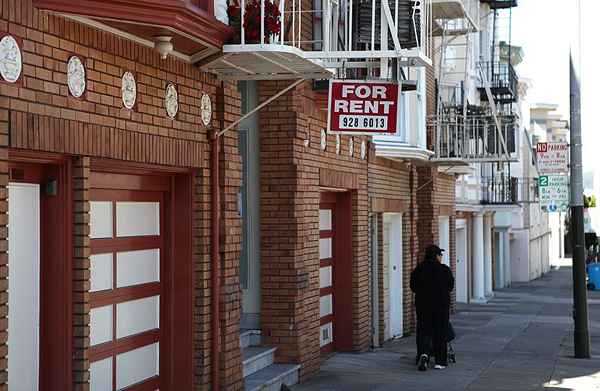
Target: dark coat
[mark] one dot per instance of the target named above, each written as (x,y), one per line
(432,282)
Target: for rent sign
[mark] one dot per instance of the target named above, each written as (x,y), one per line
(362,107)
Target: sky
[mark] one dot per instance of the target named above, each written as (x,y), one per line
(544,28)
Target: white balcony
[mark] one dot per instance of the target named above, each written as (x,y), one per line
(462,140)
(455,17)
(280,39)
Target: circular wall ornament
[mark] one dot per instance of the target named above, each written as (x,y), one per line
(351,146)
(205,109)
(128,90)
(323,139)
(338,144)
(171,100)
(11,62)
(363,150)
(76,77)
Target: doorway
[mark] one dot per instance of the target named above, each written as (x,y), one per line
(249,207)
(392,253)
(462,291)
(24,286)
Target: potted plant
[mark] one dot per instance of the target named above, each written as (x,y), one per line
(252,20)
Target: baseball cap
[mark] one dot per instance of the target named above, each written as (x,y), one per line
(433,250)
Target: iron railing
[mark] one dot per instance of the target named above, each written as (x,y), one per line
(507,190)
(472,138)
(502,80)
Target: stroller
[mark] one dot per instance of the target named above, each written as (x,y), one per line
(450,336)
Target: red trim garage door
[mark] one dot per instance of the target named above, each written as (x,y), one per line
(127,260)
(327,264)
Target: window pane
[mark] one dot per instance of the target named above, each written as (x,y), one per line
(138,218)
(325,277)
(137,365)
(137,316)
(101,325)
(101,222)
(325,248)
(101,375)
(101,272)
(325,219)
(138,267)
(326,305)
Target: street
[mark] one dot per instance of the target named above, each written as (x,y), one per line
(520,340)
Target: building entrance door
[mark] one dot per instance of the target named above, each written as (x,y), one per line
(24,286)
(392,252)
(444,234)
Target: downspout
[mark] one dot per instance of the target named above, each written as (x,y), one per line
(214,252)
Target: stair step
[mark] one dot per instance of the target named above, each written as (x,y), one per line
(257,358)
(249,338)
(272,377)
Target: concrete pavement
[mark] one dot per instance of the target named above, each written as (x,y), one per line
(521,340)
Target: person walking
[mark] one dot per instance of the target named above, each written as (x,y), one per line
(432,282)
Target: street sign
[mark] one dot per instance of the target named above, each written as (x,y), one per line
(554,192)
(553,158)
(362,107)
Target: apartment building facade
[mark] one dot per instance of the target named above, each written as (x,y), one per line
(176,215)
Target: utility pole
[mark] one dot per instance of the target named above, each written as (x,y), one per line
(580,307)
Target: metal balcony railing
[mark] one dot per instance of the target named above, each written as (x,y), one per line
(506,190)
(461,139)
(502,80)
(283,39)
(455,17)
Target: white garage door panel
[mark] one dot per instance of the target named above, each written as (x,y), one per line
(137,316)
(101,219)
(101,375)
(24,285)
(101,272)
(101,325)
(138,267)
(137,365)
(138,218)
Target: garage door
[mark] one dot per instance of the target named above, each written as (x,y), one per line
(327,260)
(127,254)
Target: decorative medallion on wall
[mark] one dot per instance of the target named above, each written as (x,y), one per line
(11,62)
(76,77)
(351,146)
(363,150)
(205,109)
(128,90)
(338,144)
(171,100)
(323,139)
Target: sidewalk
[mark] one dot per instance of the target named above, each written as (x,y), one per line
(521,340)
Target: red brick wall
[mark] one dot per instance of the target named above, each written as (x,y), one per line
(290,195)
(42,116)
(81,272)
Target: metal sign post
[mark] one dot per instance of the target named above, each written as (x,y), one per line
(580,310)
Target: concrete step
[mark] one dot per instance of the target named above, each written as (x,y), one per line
(272,377)
(257,358)
(249,338)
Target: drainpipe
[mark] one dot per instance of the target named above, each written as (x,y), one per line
(214,254)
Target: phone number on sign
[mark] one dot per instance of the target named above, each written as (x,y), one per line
(370,122)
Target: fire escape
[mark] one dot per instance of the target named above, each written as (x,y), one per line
(468,128)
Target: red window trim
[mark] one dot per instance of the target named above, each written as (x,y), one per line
(121,295)
(124,345)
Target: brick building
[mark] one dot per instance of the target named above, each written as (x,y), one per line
(175,214)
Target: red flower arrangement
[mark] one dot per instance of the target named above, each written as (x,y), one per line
(252,20)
